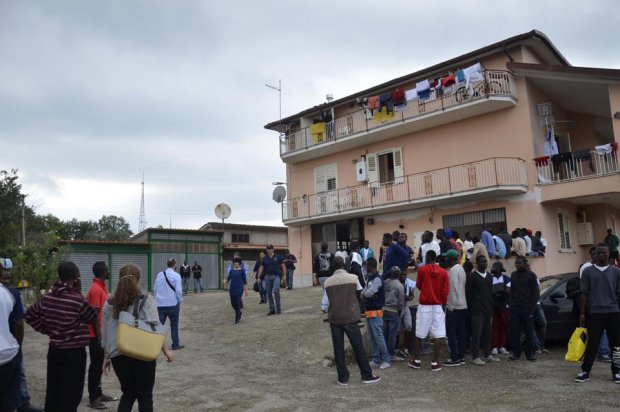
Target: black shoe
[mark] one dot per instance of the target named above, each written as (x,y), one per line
(278,311)
(179,347)
(107,398)
(261,302)
(97,404)
(291,288)
(582,377)
(450,362)
(271,312)
(513,358)
(30,408)
(532,358)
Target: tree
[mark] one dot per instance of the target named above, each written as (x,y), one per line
(11,203)
(113,228)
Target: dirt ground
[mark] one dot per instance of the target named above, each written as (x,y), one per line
(276,363)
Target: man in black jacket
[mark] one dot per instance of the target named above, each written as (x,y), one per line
(524,294)
(479,293)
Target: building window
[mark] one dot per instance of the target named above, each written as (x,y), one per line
(325,178)
(475,222)
(240,238)
(564,229)
(385,166)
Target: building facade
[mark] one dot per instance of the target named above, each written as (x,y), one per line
(507,136)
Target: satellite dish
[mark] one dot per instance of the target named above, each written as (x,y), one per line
(222,211)
(279,194)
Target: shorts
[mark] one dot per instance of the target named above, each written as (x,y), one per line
(430,318)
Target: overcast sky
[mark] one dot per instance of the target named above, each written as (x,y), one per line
(94,93)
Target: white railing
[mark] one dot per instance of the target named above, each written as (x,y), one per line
(483,174)
(567,167)
(495,83)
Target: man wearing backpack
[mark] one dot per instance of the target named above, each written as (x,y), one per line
(321,271)
(169,295)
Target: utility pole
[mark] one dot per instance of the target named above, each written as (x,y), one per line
(142,220)
(23,223)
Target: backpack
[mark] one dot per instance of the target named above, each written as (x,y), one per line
(347,262)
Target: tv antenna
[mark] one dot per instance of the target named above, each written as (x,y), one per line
(142,219)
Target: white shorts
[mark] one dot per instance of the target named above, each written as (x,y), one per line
(430,318)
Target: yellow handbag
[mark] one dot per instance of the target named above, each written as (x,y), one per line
(139,339)
(577,345)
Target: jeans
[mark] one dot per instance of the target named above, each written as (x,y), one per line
(95,369)
(500,328)
(9,384)
(596,323)
(66,369)
(480,335)
(262,292)
(171,312)
(272,288)
(185,283)
(540,325)
(455,329)
(235,301)
(198,282)
(324,299)
(377,341)
(289,278)
(603,347)
(522,317)
(391,323)
(354,335)
(137,379)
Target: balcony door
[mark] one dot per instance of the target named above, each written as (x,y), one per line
(326,189)
(385,167)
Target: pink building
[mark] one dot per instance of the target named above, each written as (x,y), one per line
(510,135)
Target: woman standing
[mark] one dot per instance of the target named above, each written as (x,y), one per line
(261,289)
(137,377)
(237,287)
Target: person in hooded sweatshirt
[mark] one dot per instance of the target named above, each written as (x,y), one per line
(393,306)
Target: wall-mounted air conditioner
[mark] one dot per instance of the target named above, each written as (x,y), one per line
(361,171)
(585,234)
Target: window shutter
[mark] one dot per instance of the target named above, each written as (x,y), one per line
(398,166)
(320,180)
(371,165)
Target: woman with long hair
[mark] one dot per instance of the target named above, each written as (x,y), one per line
(137,377)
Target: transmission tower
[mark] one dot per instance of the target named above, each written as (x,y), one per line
(142,222)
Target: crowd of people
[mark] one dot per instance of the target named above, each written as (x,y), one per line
(463,297)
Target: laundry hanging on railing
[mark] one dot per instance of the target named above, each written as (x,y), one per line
(317,131)
(566,158)
(385,100)
(424,89)
(603,149)
(582,156)
(550,146)
(542,161)
(411,95)
(382,116)
(373,103)
(473,73)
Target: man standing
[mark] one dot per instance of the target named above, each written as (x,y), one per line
(373,298)
(168,295)
(341,252)
(395,254)
(612,243)
(289,262)
(63,314)
(185,274)
(9,349)
(321,270)
(600,290)
(343,315)
(524,294)
(434,288)
(97,297)
(479,292)
(366,253)
(427,244)
(271,271)
(456,310)
(18,397)
(197,271)
(501,317)
(356,262)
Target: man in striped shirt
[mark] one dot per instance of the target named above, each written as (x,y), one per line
(63,314)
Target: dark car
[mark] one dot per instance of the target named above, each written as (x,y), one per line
(560,298)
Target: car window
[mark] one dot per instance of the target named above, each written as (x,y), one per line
(547,283)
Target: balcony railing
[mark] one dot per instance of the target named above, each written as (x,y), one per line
(454,180)
(567,167)
(495,83)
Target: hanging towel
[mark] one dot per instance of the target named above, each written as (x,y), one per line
(411,94)
(382,116)
(541,161)
(424,89)
(603,149)
(317,131)
(385,100)
(373,103)
(583,155)
(448,81)
(398,96)
(550,146)
(473,73)
(460,76)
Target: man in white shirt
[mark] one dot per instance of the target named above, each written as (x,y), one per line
(9,365)
(169,295)
(428,244)
(341,252)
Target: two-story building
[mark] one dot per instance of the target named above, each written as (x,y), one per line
(510,135)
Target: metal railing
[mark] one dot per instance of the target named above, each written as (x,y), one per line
(566,167)
(483,174)
(495,83)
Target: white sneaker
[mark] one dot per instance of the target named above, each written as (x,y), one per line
(384,365)
(494,351)
(374,364)
(479,362)
(490,358)
(502,351)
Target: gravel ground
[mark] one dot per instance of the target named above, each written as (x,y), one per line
(276,363)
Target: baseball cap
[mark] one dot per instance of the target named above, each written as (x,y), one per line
(451,253)
(498,265)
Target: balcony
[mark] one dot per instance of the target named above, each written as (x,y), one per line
(496,92)
(570,177)
(487,178)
